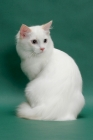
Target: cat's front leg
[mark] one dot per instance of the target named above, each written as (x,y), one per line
(25,111)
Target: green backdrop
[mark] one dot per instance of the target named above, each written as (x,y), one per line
(73,33)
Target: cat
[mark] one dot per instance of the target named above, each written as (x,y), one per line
(54,91)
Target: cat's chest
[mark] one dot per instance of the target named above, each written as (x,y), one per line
(32,67)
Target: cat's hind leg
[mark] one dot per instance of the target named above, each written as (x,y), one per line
(77,104)
(68,117)
(74,108)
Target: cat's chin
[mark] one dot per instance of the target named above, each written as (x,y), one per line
(40,52)
(36,53)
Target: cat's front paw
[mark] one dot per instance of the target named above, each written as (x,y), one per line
(24,111)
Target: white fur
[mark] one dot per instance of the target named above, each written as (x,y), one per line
(55,88)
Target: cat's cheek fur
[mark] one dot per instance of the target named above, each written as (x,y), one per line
(55,92)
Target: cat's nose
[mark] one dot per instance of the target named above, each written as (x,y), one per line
(42,49)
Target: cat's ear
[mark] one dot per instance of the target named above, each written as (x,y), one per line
(47,26)
(24,30)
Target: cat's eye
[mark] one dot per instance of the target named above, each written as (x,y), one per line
(34,41)
(45,40)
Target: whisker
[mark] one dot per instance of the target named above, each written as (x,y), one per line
(32,54)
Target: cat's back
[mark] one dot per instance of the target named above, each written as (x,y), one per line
(63,59)
(62,64)
(58,54)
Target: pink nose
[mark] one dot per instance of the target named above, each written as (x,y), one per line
(42,49)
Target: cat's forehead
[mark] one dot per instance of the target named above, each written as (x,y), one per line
(38,32)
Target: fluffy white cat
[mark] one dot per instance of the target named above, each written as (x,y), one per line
(55,88)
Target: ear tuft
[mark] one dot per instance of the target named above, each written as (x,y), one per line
(47,26)
(24,30)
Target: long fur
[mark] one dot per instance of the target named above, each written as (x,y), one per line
(55,88)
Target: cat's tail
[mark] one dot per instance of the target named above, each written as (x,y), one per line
(25,111)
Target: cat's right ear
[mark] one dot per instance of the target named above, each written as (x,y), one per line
(24,30)
(47,26)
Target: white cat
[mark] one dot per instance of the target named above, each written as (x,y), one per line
(55,92)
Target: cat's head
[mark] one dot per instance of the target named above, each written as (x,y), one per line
(35,38)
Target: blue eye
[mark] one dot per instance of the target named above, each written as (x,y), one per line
(45,40)
(34,41)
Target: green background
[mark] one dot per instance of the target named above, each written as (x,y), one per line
(73,33)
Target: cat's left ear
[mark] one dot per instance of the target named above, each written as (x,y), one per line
(24,30)
(47,26)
